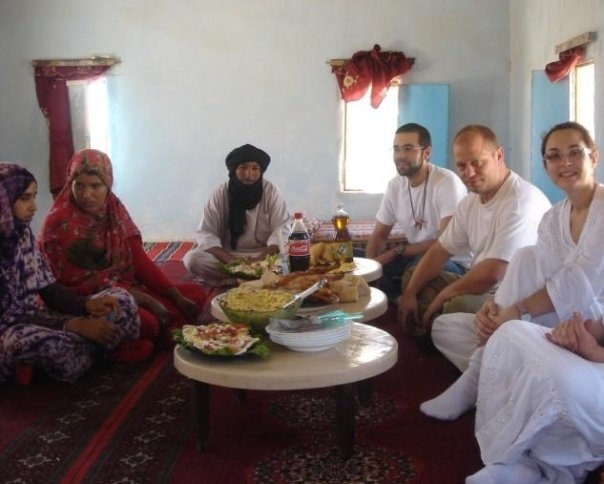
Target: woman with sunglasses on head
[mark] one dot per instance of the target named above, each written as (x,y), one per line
(537,390)
(43,324)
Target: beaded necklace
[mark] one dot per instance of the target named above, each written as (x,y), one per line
(419,218)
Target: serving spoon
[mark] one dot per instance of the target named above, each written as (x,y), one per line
(307,292)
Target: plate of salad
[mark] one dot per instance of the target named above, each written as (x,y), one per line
(221,340)
(246,269)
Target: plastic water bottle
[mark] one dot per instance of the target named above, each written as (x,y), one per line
(283,255)
(299,245)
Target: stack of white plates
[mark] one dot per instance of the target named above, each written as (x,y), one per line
(308,337)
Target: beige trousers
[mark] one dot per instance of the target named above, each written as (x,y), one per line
(467,303)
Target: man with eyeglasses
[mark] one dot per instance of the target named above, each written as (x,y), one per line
(421,200)
(499,215)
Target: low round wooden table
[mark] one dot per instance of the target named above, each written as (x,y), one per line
(367,353)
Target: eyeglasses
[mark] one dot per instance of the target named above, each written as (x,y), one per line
(573,155)
(407,149)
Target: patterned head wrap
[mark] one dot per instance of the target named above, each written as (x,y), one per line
(91,162)
(23,270)
(14,180)
(89,252)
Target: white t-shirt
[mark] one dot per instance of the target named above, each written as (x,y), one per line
(442,193)
(496,229)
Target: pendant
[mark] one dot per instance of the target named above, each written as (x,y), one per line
(419,224)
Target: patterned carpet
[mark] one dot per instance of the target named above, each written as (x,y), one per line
(167,251)
(112,426)
(133,424)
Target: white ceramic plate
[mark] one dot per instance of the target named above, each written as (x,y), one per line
(333,341)
(310,349)
(309,342)
(273,328)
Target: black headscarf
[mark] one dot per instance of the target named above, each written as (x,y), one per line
(243,197)
(246,153)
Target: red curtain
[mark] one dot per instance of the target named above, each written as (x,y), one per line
(567,61)
(370,68)
(53,99)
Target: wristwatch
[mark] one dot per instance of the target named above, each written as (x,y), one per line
(525,315)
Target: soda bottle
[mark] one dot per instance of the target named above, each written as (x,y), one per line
(299,245)
(342,240)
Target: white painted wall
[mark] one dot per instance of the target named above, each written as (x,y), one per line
(537,26)
(199,77)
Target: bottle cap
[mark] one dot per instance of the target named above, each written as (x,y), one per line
(340,210)
(298,215)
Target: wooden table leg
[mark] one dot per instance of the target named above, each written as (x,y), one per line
(201,409)
(345,410)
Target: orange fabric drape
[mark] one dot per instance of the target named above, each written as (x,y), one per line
(53,99)
(567,61)
(375,68)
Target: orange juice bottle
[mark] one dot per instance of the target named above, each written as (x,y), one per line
(342,240)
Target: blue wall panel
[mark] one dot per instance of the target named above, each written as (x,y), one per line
(550,104)
(428,105)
